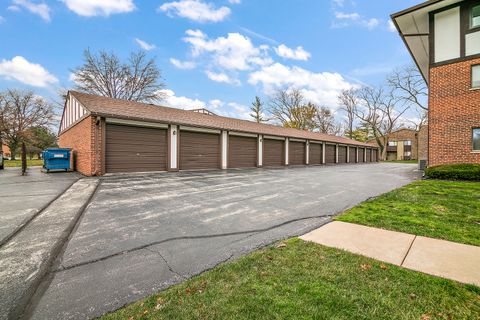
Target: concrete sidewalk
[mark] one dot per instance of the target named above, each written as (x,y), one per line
(28,255)
(441,258)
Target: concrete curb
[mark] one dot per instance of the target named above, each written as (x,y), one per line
(27,257)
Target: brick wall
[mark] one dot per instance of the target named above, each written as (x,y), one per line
(422,141)
(454,109)
(83,152)
(405,135)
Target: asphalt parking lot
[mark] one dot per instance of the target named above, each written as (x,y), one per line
(22,197)
(143,233)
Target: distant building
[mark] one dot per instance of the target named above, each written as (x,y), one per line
(6,151)
(443,37)
(406,144)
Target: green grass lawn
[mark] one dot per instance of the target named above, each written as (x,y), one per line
(18,163)
(439,209)
(307,281)
(402,161)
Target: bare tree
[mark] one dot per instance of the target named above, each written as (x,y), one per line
(348,101)
(290,109)
(20,111)
(379,111)
(257,111)
(410,86)
(104,74)
(326,123)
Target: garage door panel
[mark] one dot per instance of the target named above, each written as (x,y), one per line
(273,155)
(135,149)
(199,150)
(369,155)
(329,153)
(242,152)
(342,154)
(353,154)
(361,154)
(296,153)
(315,154)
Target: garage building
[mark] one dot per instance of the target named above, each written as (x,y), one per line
(110,135)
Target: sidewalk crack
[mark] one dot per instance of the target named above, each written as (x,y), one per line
(166,262)
(408,251)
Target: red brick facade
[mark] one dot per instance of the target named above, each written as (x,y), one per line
(87,153)
(454,110)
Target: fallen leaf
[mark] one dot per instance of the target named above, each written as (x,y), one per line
(425,316)
(158,306)
(383,267)
(413,296)
(188,291)
(366,266)
(145,312)
(269,257)
(281,245)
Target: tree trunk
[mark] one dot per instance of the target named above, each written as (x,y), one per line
(24,158)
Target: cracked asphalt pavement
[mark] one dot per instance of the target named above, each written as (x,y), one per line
(142,233)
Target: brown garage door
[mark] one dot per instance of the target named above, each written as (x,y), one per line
(374,155)
(199,150)
(353,154)
(361,153)
(369,155)
(342,154)
(273,153)
(330,153)
(296,153)
(242,152)
(135,149)
(315,154)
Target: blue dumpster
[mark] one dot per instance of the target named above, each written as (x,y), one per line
(56,159)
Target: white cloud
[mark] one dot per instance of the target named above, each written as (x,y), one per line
(13,8)
(22,70)
(321,88)
(195,10)
(234,52)
(338,3)
(221,77)
(391,26)
(219,107)
(347,16)
(235,1)
(371,23)
(171,100)
(40,9)
(145,45)
(184,65)
(90,8)
(296,54)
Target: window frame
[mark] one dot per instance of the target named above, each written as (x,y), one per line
(473,141)
(472,67)
(470,16)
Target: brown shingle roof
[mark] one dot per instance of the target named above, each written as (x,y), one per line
(108,107)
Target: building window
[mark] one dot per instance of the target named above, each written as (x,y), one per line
(392,143)
(475,17)
(407,154)
(407,143)
(476,76)
(476,139)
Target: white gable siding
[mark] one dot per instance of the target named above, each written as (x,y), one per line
(72,112)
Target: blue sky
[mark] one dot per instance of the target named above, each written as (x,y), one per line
(213,54)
